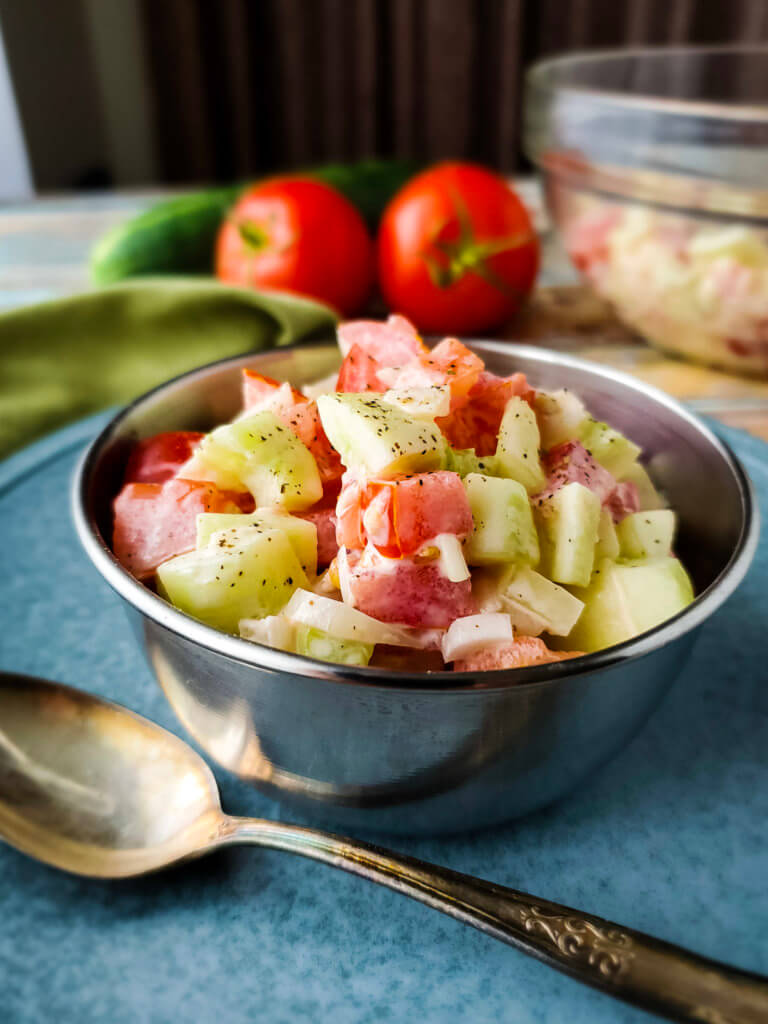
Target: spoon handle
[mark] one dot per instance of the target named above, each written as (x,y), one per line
(626,964)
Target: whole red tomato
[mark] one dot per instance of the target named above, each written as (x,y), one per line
(457,252)
(298,235)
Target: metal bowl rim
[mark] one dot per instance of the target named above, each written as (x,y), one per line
(255,655)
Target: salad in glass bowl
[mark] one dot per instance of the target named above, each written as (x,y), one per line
(414,511)
(690,285)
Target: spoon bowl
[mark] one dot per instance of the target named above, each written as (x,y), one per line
(94,789)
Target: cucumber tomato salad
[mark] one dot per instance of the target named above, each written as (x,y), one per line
(414,512)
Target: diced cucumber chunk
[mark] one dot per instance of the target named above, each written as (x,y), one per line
(314,643)
(301,533)
(504,530)
(517,452)
(647,534)
(612,450)
(558,608)
(425,403)
(252,577)
(607,538)
(266,458)
(568,523)
(624,600)
(650,499)
(560,415)
(372,436)
(534,603)
(466,460)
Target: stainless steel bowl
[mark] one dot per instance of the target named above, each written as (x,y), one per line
(410,753)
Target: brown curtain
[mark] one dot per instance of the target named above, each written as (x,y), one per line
(245,86)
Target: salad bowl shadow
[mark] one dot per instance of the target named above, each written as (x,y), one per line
(410,753)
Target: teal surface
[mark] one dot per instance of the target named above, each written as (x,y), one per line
(671,838)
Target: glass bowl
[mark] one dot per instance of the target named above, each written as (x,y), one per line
(655,170)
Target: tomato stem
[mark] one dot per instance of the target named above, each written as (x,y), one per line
(450,260)
(253,235)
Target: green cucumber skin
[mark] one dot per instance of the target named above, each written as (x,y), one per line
(177,236)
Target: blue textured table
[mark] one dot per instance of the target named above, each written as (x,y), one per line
(670,838)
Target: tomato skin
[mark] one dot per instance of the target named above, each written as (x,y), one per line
(298,235)
(424,218)
(358,372)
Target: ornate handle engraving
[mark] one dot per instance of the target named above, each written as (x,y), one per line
(607,949)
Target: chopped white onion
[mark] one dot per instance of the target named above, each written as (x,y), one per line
(272,631)
(347,623)
(325,584)
(345,586)
(452,563)
(473,633)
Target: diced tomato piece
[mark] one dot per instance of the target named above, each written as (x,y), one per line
(359,373)
(623,500)
(154,522)
(325,524)
(409,593)
(260,390)
(305,423)
(449,363)
(421,507)
(392,343)
(523,651)
(588,239)
(158,458)
(349,517)
(399,516)
(476,423)
(570,462)
(299,413)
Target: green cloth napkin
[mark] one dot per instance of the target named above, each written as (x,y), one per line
(65,359)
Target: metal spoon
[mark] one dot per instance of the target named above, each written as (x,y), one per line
(90,787)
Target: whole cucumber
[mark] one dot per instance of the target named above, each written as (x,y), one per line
(177,236)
